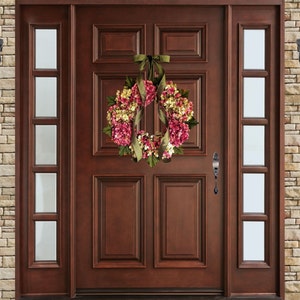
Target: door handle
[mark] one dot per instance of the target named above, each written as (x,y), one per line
(216,167)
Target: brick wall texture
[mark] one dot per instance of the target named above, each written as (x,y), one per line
(7,150)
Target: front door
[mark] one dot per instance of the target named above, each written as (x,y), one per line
(139,228)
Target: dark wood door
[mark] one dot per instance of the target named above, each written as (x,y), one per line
(139,227)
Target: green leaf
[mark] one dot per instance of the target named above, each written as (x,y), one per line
(129,82)
(152,161)
(184,93)
(156,81)
(123,150)
(107,130)
(162,116)
(192,122)
(178,150)
(111,100)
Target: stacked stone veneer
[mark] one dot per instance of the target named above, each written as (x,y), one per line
(292,150)
(7,150)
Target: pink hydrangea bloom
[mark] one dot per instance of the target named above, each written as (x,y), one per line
(150,93)
(179,132)
(121,133)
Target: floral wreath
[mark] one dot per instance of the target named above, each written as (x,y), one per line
(126,109)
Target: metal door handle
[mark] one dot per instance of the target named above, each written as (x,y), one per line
(216,165)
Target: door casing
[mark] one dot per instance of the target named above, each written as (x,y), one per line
(69,13)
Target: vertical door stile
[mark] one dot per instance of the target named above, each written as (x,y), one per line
(228,150)
(72,150)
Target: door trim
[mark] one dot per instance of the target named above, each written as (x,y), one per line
(227,142)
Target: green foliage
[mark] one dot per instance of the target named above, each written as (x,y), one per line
(184,93)
(152,161)
(107,130)
(156,81)
(129,82)
(178,150)
(124,150)
(111,100)
(192,122)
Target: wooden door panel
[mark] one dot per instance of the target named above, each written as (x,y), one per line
(180,221)
(182,41)
(118,222)
(142,227)
(117,42)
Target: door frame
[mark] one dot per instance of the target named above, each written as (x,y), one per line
(228,129)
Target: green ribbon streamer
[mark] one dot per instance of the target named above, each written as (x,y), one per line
(134,142)
(152,63)
(164,143)
(137,149)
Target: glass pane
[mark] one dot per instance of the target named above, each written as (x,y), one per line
(254,193)
(254,241)
(45,144)
(254,145)
(45,241)
(45,48)
(254,97)
(254,49)
(45,192)
(45,96)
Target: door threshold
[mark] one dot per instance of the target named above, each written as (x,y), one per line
(163,294)
(148,293)
(152,297)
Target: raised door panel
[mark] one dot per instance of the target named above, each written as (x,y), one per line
(117,42)
(180,214)
(182,41)
(118,222)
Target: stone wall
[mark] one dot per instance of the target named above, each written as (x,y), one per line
(7,150)
(292,150)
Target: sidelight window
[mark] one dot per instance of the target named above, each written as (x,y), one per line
(45,136)
(254,126)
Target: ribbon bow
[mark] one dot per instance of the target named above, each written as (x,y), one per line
(152,62)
